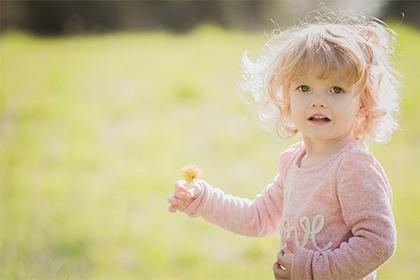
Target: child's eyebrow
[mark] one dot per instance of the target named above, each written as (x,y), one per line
(338,83)
(300,81)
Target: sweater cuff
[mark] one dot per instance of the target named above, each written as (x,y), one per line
(302,264)
(195,207)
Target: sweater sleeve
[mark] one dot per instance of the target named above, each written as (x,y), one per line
(365,198)
(257,217)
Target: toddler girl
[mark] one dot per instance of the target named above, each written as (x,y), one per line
(329,79)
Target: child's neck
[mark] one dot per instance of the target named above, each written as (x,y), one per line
(319,148)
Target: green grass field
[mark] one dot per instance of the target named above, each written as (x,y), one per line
(94,130)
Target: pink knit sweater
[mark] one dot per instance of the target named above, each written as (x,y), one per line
(338,213)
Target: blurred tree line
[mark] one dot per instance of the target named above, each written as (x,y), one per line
(66,17)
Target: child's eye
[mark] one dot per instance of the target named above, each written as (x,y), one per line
(336,90)
(303,88)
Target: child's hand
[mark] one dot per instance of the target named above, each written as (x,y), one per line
(183,196)
(283,266)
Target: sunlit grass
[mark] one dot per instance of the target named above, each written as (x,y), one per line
(94,130)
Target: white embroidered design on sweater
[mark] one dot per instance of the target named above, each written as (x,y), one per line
(309,230)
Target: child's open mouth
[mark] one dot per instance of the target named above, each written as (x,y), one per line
(319,119)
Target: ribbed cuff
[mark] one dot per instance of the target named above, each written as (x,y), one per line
(302,264)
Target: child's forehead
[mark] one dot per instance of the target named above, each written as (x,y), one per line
(316,75)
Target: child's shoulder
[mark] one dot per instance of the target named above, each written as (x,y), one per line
(359,166)
(293,150)
(358,157)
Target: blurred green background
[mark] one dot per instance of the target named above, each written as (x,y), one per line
(94,130)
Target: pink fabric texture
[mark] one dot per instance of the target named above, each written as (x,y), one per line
(337,213)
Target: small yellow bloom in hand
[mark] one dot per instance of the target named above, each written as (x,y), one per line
(190,172)
(185,194)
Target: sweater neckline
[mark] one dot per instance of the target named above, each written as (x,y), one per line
(302,152)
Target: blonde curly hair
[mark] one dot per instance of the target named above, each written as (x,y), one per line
(330,42)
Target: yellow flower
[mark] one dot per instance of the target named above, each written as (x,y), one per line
(190,172)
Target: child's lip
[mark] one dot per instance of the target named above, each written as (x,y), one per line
(319,119)
(318,115)
(319,122)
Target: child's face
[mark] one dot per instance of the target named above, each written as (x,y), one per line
(336,102)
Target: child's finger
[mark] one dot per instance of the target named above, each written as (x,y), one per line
(181,192)
(181,184)
(275,268)
(280,255)
(173,200)
(194,191)
(179,204)
(280,265)
(173,204)
(280,260)
(170,199)
(279,272)
(172,208)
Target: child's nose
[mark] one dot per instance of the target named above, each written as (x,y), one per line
(318,105)
(318,101)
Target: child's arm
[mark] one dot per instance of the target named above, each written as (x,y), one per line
(365,197)
(248,217)
(256,217)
